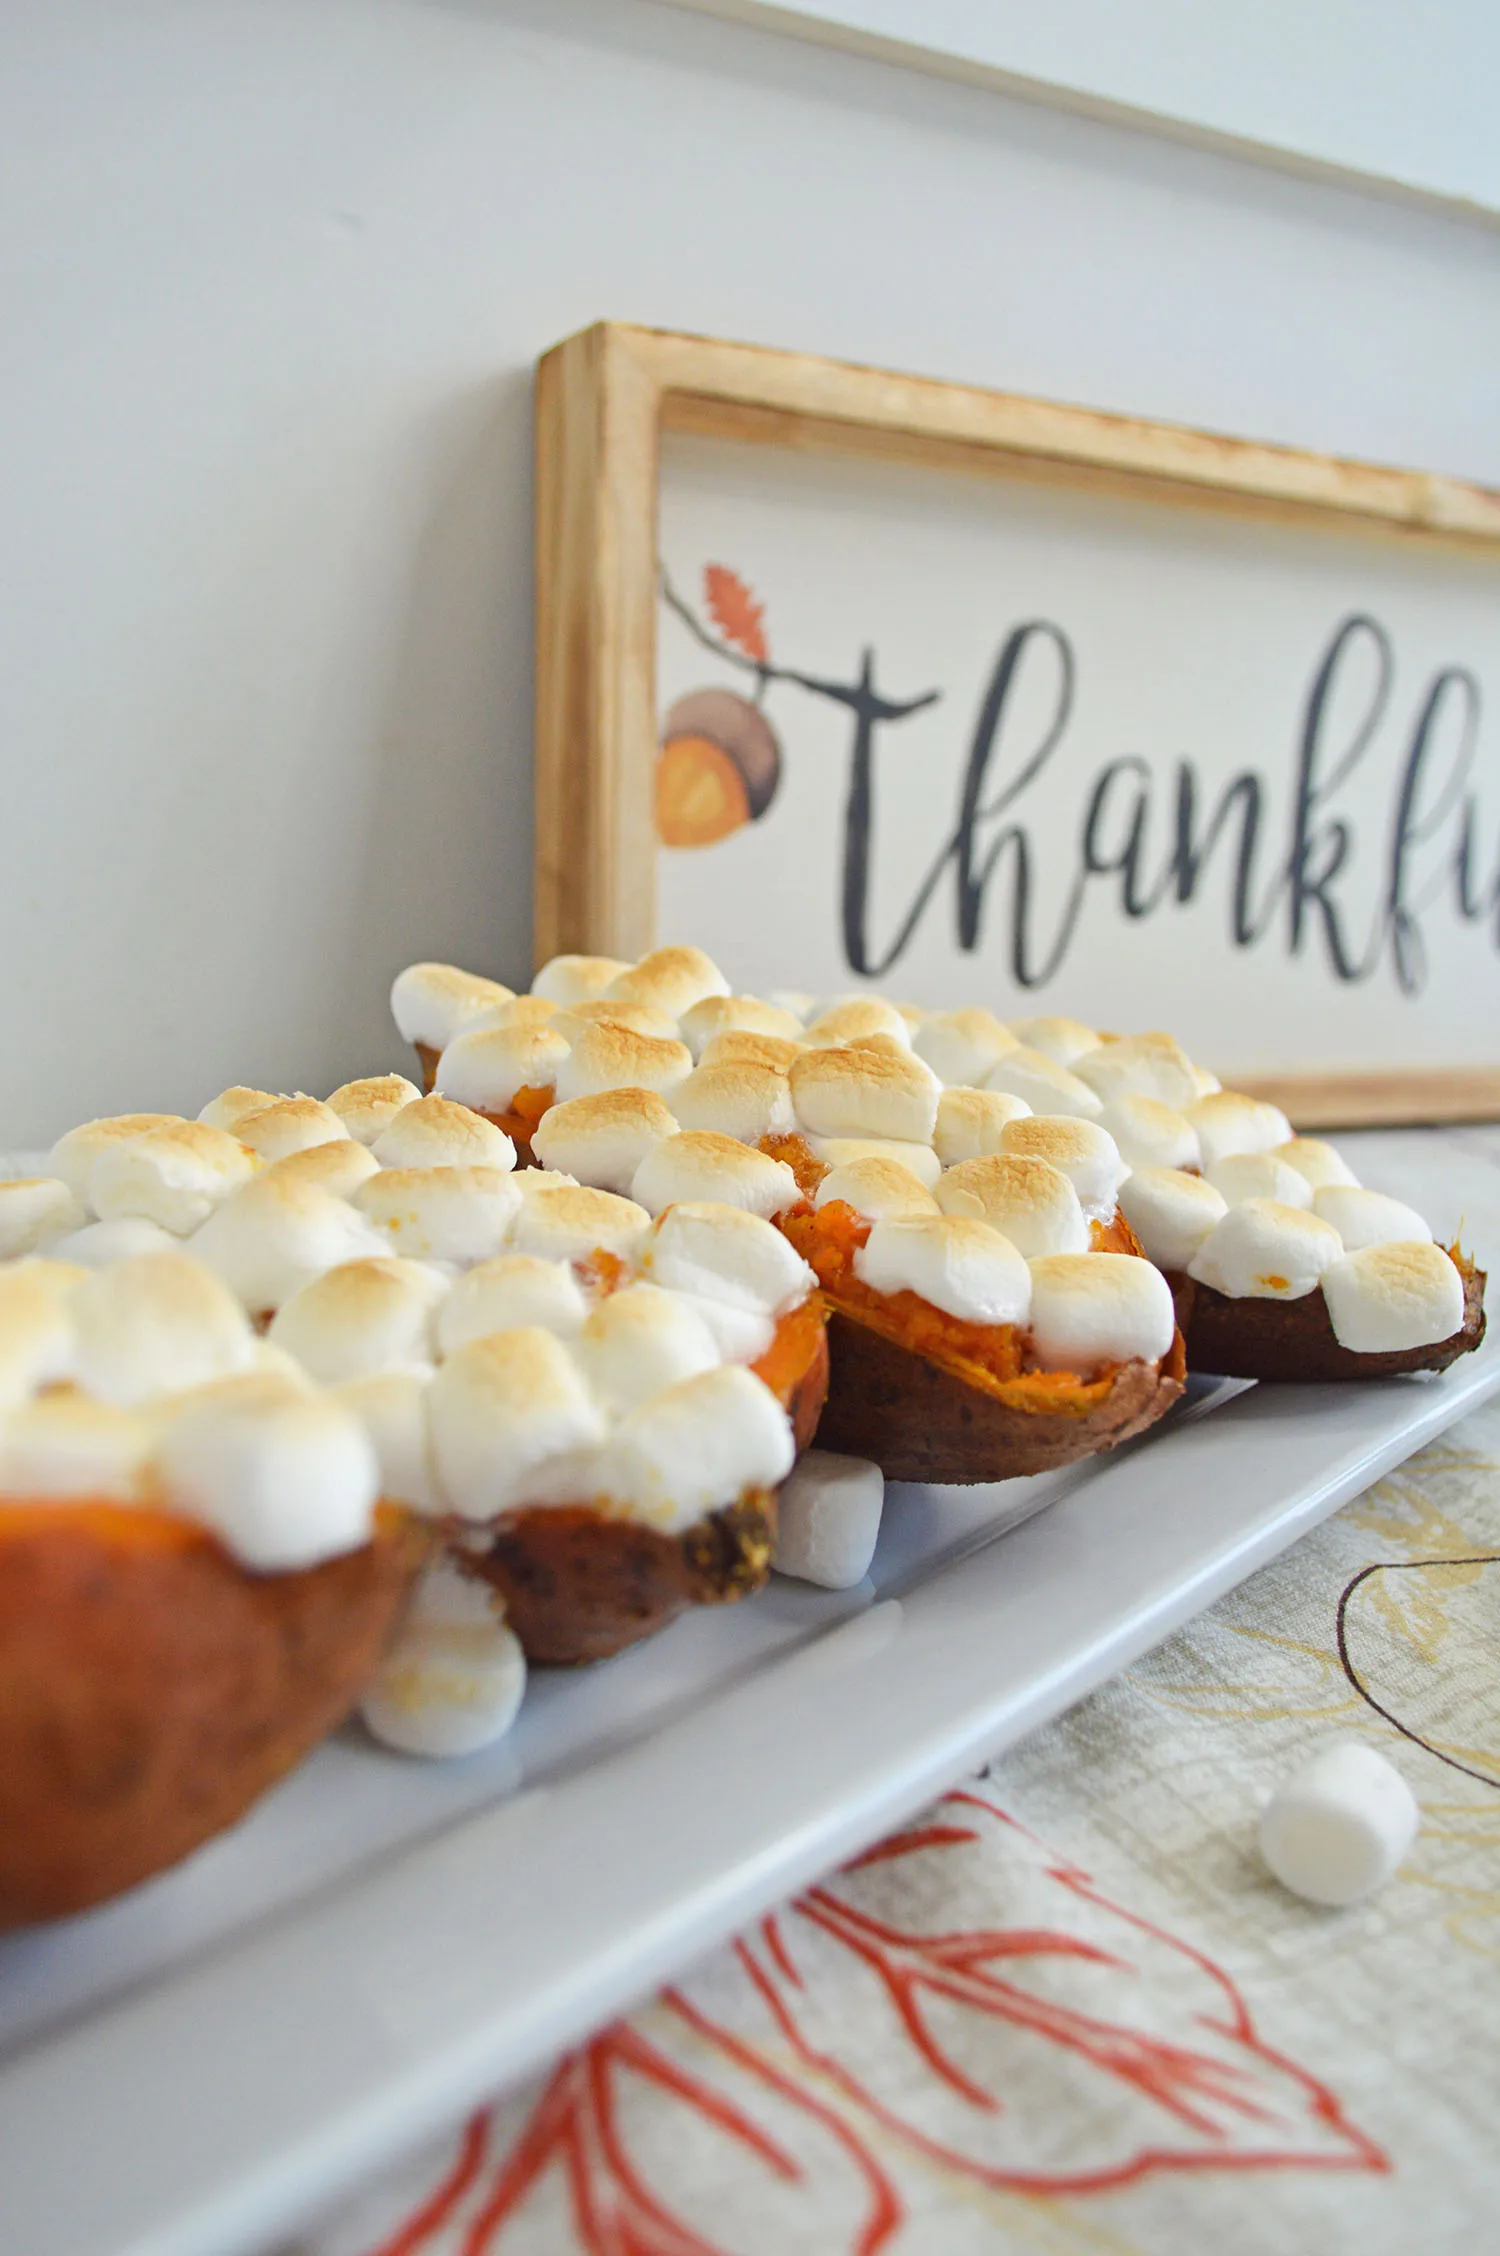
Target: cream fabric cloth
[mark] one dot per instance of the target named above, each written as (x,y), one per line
(1068,2011)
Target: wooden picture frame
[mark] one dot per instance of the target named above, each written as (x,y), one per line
(603,400)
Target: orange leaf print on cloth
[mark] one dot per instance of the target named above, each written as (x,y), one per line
(735,612)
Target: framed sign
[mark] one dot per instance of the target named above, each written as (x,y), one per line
(856,678)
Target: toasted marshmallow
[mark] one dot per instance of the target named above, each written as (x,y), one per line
(363,1316)
(1171,1213)
(865,1093)
(276,1234)
(697,1447)
(66,1445)
(73,1155)
(172,1176)
(34,1207)
(577,979)
(610,1056)
(841,1151)
(565,1221)
(390,1405)
(669,979)
(1208,1084)
(487,1067)
(338,1168)
(736,1014)
(1028,1201)
(1048,1088)
(603,1139)
(521,1010)
(1091,1309)
(457,1214)
(855,1019)
(1081,1150)
(1140,1065)
(796,1001)
(231,1105)
(971,1122)
(741,1335)
(99,1243)
(36,1326)
(1061,1039)
(636,1016)
(722,1253)
(292,1124)
(1148,1134)
(1265,1251)
(640,1340)
(751,1049)
(282,1484)
(154,1325)
(956,1263)
(498,1411)
(698,1165)
(962,1046)
(1228,1124)
(513,1290)
(368,1107)
(1317,1162)
(1248,1175)
(1368,1218)
(737,1097)
(435,1132)
(875,1188)
(446,1689)
(431,1001)
(1394,1295)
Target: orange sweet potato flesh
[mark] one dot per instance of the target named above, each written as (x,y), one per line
(1294,1339)
(151,1689)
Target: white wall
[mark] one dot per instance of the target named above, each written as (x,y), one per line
(274,274)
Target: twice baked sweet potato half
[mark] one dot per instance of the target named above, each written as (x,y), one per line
(1295,1340)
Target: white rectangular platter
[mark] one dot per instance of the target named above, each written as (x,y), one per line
(193,2070)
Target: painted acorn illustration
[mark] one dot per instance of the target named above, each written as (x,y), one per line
(720,761)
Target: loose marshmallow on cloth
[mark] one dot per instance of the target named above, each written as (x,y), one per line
(1340,1825)
(828,1519)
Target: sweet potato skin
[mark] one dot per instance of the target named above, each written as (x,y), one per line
(920,1420)
(1294,1339)
(151,1688)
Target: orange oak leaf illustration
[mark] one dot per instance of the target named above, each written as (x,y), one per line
(735,612)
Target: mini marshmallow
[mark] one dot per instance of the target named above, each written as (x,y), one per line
(577,979)
(796,1001)
(276,1234)
(487,1067)
(34,1207)
(1367,1218)
(971,1122)
(1046,1087)
(1091,1309)
(172,1176)
(1140,1065)
(669,979)
(1248,1175)
(839,1151)
(1081,1150)
(445,1690)
(875,1188)
(283,1484)
(962,1046)
(363,1316)
(457,1214)
(292,1124)
(498,1411)
(638,1341)
(697,1447)
(1318,1163)
(231,1105)
(1228,1123)
(608,1056)
(431,1001)
(65,1445)
(368,1107)
(828,1519)
(1265,1251)
(741,1335)
(338,1168)
(36,1326)
(737,1097)
(73,1155)
(1385,1298)
(99,1243)
(735,1014)
(1061,1039)
(751,1049)
(865,1093)
(1208,1084)
(390,1405)
(563,1221)
(435,1132)
(605,1138)
(1148,1134)
(855,1018)
(1027,1200)
(1340,1825)
(721,1253)
(512,1290)
(954,1261)
(521,1010)
(697,1165)
(1171,1213)
(155,1324)
(636,1016)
